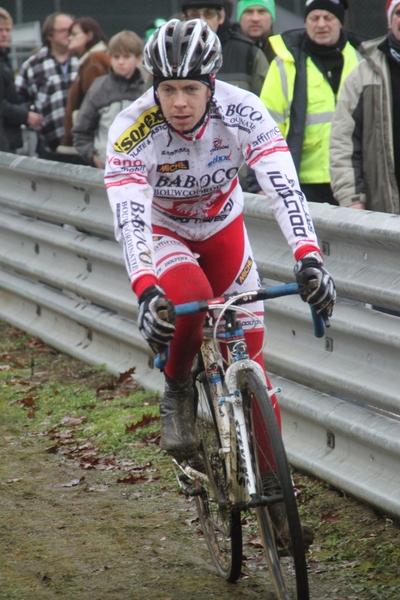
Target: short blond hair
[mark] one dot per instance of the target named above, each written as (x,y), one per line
(125,41)
(5,16)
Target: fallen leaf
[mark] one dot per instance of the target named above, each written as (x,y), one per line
(124,376)
(74,482)
(255,542)
(14,480)
(132,479)
(329,517)
(71,421)
(145,421)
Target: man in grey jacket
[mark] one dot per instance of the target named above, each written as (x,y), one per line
(365,138)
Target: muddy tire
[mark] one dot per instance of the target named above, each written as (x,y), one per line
(220,524)
(287,568)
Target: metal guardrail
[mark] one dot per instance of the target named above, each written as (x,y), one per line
(63,279)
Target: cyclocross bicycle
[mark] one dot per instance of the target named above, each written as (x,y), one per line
(234,410)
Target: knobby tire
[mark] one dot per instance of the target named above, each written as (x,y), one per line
(220,524)
(285,557)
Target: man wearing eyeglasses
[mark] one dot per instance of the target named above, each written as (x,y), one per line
(244,65)
(44,80)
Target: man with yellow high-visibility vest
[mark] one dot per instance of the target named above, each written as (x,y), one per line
(302,86)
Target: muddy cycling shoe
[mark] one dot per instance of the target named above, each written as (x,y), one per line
(277,512)
(178,436)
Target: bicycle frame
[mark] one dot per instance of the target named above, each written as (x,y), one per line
(226,398)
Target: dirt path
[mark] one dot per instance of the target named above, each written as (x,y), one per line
(68,532)
(98,540)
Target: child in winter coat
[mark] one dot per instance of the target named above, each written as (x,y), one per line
(108,96)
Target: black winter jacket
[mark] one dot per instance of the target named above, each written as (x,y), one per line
(14,112)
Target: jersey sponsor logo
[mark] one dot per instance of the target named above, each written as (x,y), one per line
(173,152)
(126,165)
(294,201)
(243,117)
(140,130)
(180,165)
(245,271)
(219,177)
(219,159)
(137,249)
(124,162)
(218,145)
(267,136)
(243,111)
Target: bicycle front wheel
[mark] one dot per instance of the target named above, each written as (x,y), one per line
(283,546)
(221,525)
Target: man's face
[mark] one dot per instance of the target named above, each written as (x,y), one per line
(211,16)
(256,22)
(395,22)
(59,37)
(323,27)
(5,34)
(183,102)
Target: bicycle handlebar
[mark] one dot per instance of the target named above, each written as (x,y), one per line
(276,291)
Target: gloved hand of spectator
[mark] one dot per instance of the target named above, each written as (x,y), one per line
(156,319)
(316,285)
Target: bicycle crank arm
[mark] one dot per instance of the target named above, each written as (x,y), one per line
(264,500)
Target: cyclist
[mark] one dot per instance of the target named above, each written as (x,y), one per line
(171,176)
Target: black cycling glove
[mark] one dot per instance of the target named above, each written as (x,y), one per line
(156,318)
(316,286)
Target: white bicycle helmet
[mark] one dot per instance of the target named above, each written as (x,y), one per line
(182,49)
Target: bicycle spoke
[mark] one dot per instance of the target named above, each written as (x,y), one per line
(279,523)
(221,526)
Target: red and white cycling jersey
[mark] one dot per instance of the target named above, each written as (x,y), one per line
(189,183)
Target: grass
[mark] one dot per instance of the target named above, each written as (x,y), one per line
(90,417)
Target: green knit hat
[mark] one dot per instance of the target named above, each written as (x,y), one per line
(245,4)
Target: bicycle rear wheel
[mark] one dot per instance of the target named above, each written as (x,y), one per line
(284,552)
(221,525)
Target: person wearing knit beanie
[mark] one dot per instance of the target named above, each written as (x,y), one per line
(302,86)
(324,21)
(187,4)
(256,19)
(390,6)
(243,5)
(336,7)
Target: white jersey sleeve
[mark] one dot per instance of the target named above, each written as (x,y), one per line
(266,151)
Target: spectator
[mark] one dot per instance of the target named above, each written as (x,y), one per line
(4,147)
(256,18)
(302,85)
(14,112)
(88,43)
(228,7)
(44,80)
(365,141)
(152,26)
(108,96)
(244,65)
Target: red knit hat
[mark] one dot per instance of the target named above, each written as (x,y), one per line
(390,6)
